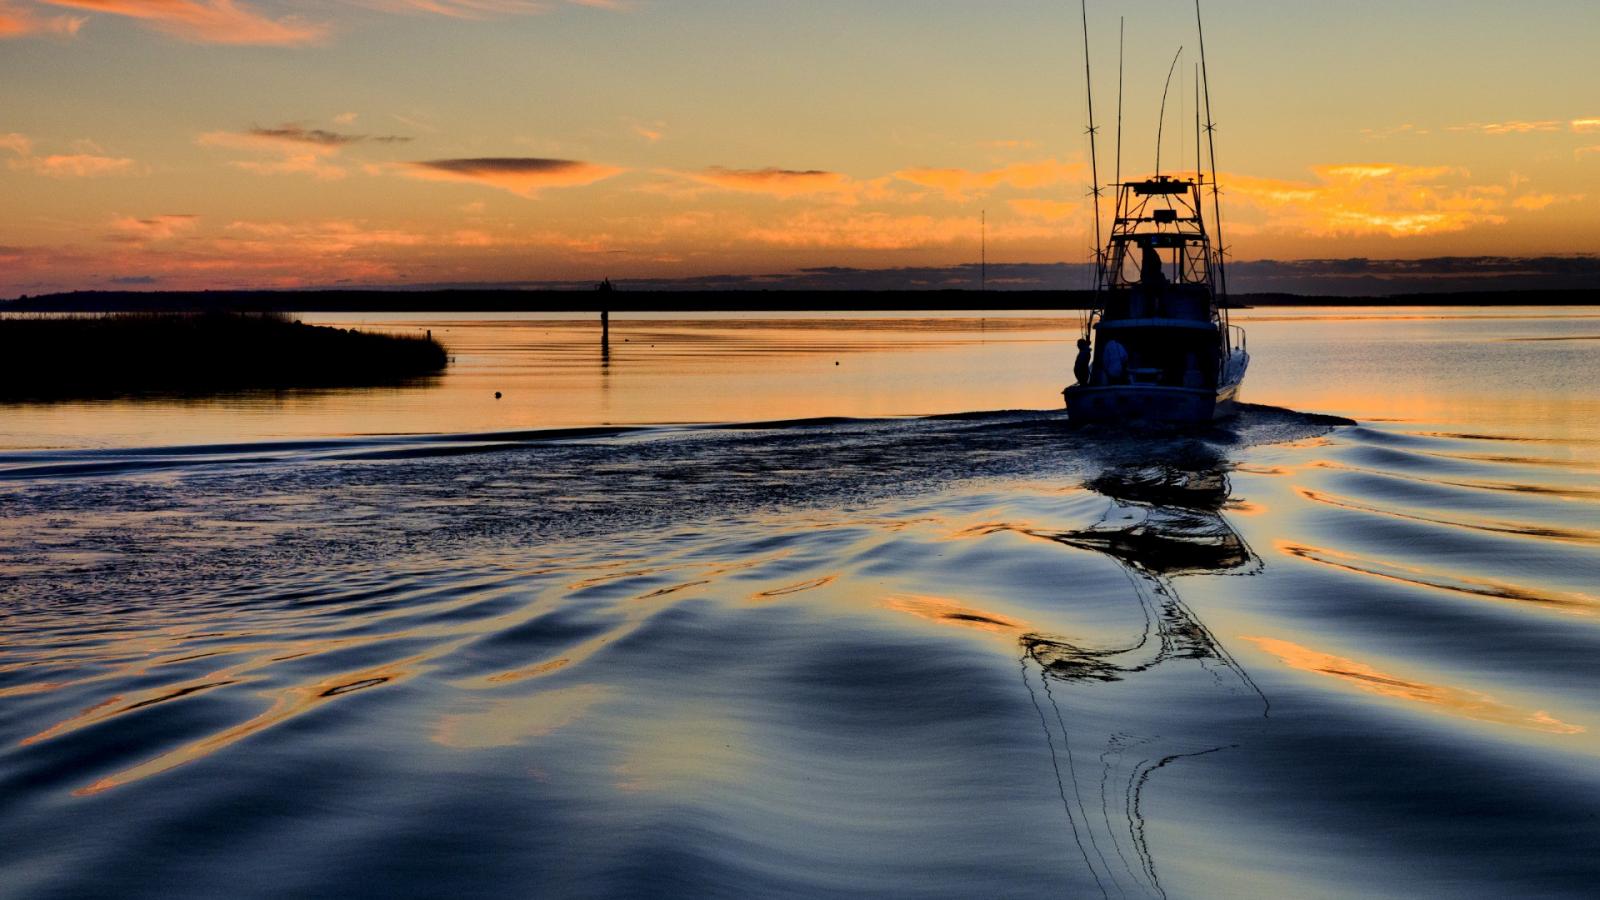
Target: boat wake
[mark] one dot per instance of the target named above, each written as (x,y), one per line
(784,658)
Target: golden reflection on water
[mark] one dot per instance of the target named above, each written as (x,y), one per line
(513,721)
(810,584)
(1572,603)
(1455,701)
(1525,529)
(288,703)
(951,612)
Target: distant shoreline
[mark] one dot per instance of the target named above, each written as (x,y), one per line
(466,300)
(103,356)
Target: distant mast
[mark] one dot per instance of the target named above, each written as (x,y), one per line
(983,251)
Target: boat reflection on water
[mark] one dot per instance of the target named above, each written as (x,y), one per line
(1113,716)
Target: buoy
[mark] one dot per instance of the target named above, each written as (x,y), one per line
(497,395)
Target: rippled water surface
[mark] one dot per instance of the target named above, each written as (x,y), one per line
(418,650)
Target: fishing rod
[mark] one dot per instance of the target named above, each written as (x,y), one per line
(1094,160)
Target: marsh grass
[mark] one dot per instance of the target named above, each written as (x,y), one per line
(86,356)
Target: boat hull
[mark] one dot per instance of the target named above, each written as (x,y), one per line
(1149,403)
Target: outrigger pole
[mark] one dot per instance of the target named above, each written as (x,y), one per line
(1199,172)
(1211,140)
(1122,30)
(1094,161)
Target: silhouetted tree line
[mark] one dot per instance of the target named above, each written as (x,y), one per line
(57,357)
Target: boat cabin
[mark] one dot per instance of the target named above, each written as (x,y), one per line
(1158,306)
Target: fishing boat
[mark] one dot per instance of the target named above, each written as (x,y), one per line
(1158,346)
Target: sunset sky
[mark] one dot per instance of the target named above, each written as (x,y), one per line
(237,143)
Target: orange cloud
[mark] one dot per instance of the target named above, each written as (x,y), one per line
(481,9)
(331,237)
(1048,210)
(1512,127)
(76,165)
(1396,200)
(1535,202)
(208,21)
(961,184)
(523,176)
(19,22)
(885,231)
(1584,126)
(19,144)
(783,183)
(158,228)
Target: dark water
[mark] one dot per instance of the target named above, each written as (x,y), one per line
(981,655)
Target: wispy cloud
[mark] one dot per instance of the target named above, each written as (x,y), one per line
(90,162)
(964,184)
(296,134)
(1405,129)
(884,231)
(19,144)
(291,155)
(1048,210)
(483,9)
(1585,126)
(1536,202)
(524,176)
(1512,127)
(155,228)
(298,149)
(76,165)
(774,182)
(20,21)
(208,21)
(299,134)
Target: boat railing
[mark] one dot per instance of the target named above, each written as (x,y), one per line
(1238,342)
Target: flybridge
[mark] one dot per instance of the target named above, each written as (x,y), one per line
(1162,201)
(1161,184)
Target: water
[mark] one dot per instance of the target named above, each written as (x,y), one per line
(972,655)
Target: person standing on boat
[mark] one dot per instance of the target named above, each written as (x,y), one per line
(1081,367)
(1114,362)
(1150,265)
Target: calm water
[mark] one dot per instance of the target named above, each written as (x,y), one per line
(414,643)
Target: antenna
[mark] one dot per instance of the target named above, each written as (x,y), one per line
(1162,124)
(1094,160)
(1211,140)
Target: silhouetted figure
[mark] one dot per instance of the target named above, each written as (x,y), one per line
(1080,369)
(604,285)
(1114,363)
(1150,267)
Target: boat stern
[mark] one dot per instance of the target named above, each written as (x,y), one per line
(1150,403)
